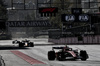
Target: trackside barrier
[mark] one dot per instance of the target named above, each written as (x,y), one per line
(74,40)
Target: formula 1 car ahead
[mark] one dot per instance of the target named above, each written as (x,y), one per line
(24,43)
(66,53)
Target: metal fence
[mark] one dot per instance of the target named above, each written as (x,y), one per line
(78,35)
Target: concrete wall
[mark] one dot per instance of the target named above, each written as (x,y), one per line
(74,40)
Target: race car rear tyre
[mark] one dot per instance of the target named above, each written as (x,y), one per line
(83,55)
(51,55)
(21,45)
(18,41)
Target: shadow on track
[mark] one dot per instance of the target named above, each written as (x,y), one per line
(13,48)
(63,44)
(47,44)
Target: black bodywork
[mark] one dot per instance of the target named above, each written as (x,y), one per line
(24,43)
(66,53)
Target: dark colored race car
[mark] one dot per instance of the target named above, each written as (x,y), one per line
(67,53)
(24,43)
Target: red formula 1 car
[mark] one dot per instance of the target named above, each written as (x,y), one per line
(65,53)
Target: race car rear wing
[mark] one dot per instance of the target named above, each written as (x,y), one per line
(62,48)
(57,47)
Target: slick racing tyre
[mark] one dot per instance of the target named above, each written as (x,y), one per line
(60,56)
(21,45)
(51,55)
(31,44)
(83,55)
(13,42)
(18,41)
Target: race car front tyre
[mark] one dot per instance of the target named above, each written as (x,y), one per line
(13,42)
(83,55)
(31,45)
(51,55)
(60,56)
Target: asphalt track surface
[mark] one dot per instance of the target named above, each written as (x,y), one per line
(37,55)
